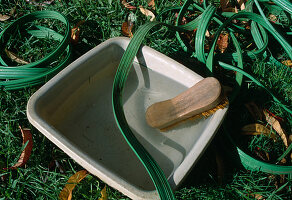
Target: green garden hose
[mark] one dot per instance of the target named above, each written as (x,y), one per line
(260,29)
(18,77)
(37,72)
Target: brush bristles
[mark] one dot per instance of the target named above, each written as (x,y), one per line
(205,114)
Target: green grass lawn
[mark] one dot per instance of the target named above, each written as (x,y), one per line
(48,168)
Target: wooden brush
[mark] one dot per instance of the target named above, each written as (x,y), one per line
(202,99)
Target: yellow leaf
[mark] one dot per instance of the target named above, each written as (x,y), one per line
(288,63)
(103,194)
(277,127)
(66,193)
(257,129)
(147,13)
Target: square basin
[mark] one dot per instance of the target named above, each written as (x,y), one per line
(74,111)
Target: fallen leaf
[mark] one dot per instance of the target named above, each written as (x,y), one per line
(280,181)
(257,196)
(273,18)
(147,13)
(103,194)
(228,6)
(257,129)
(75,32)
(66,193)
(288,63)
(127,28)
(283,161)
(207,34)
(275,116)
(12,11)
(15,57)
(4,17)
(128,5)
(151,4)
(24,156)
(277,127)
(222,42)
(255,111)
(241,4)
(290,139)
(290,143)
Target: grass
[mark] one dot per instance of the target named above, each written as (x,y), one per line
(103,20)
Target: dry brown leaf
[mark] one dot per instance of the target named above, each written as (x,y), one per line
(255,111)
(222,42)
(151,4)
(290,139)
(290,143)
(258,196)
(207,34)
(230,9)
(227,6)
(24,156)
(288,63)
(241,4)
(257,129)
(147,13)
(75,32)
(15,57)
(4,17)
(127,28)
(66,193)
(128,5)
(103,194)
(277,127)
(283,161)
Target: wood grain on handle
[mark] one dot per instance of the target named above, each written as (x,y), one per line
(203,96)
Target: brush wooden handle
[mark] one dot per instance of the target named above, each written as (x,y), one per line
(201,97)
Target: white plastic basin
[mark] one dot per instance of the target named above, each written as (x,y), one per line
(74,111)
